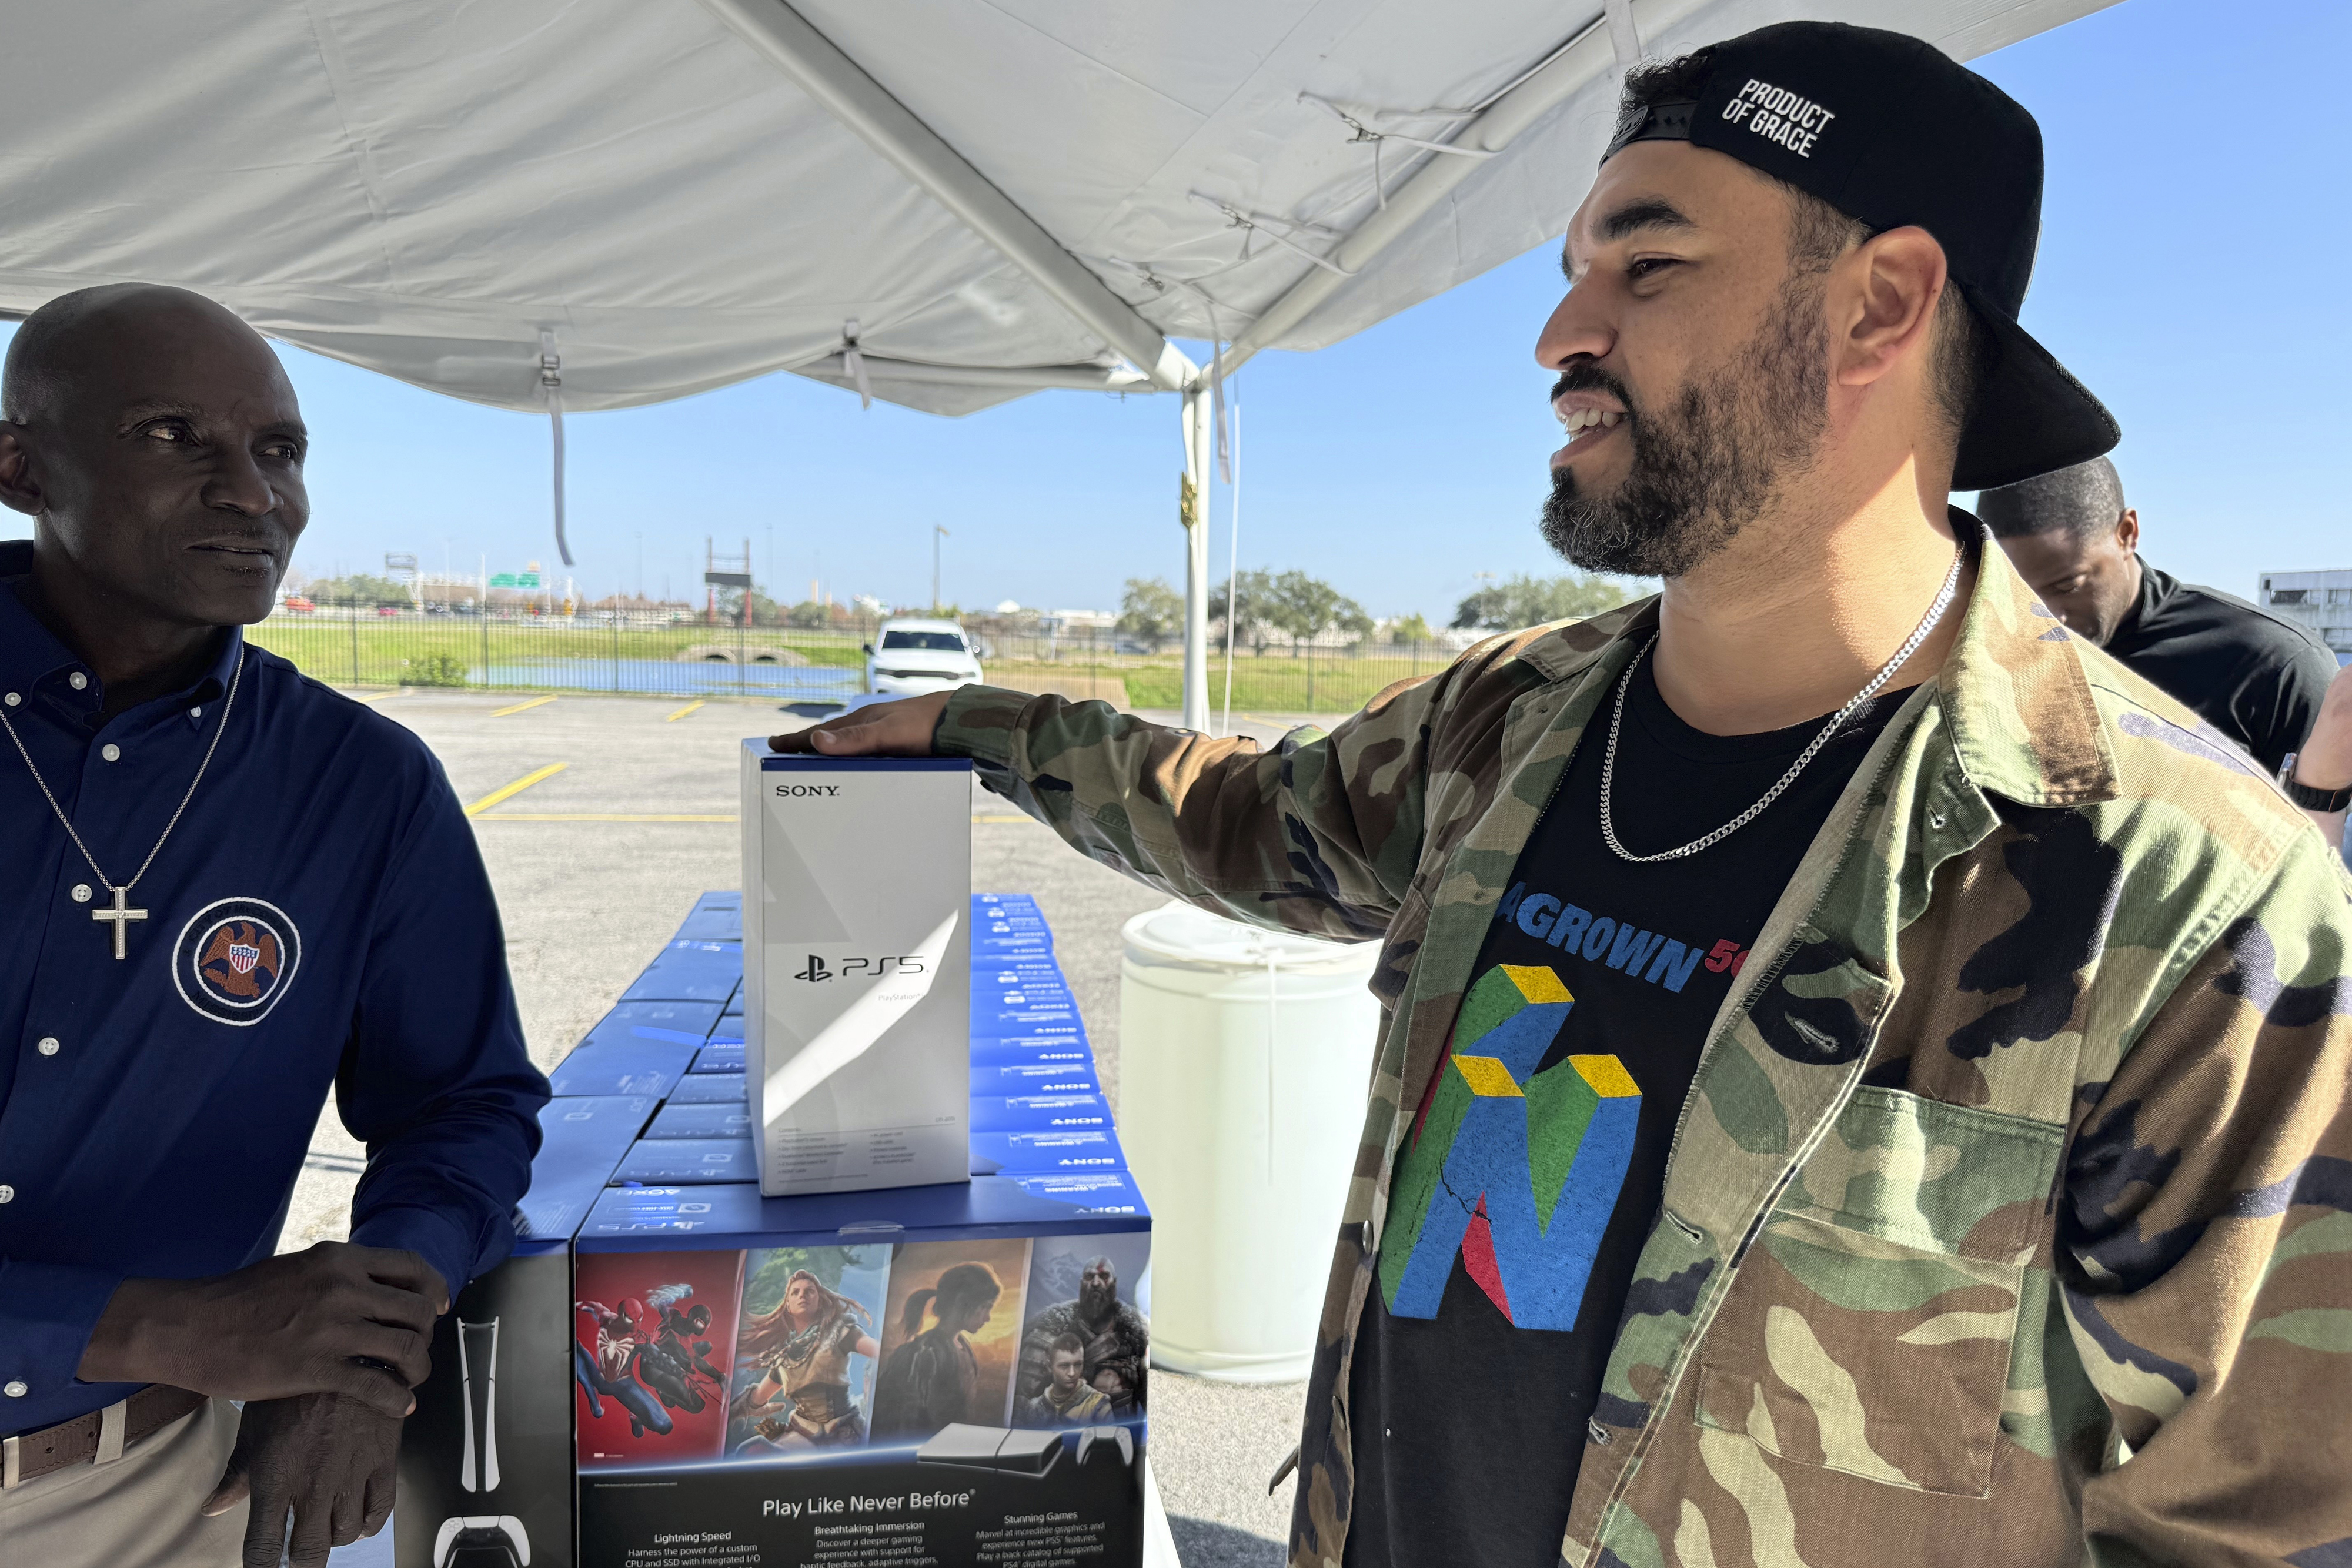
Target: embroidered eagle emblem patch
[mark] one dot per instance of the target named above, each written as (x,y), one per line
(235,959)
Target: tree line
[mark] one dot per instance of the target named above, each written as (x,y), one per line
(1301,607)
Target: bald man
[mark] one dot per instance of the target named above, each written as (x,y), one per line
(2254,677)
(229,891)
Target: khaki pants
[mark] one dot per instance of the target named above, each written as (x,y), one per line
(138,1511)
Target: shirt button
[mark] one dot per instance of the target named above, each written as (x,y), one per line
(12,699)
(81,892)
(111,751)
(78,681)
(48,1045)
(7,1193)
(16,1388)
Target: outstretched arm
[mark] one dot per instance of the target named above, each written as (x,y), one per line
(1321,834)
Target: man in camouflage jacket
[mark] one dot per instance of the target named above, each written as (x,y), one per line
(2005,1220)
(2019,1146)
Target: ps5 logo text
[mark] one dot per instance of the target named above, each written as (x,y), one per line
(851,968)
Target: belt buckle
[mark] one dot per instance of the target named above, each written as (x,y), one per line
(11,1465)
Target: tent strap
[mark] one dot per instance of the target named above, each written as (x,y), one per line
(551,381)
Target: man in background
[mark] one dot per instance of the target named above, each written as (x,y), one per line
(2256,678)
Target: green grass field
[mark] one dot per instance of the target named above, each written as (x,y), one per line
(391,652)
(553,653)
(1278,683)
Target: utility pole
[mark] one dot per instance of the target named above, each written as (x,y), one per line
(938,534)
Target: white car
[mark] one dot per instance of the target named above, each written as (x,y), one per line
(912,658)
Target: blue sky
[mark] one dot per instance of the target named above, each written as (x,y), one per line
(2191,272)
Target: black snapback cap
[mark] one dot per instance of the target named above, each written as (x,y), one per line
(1891,132)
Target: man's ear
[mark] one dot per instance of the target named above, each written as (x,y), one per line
(19,489)
(2127,531)
(1887,314)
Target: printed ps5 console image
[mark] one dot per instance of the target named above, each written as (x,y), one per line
(477,1367)
(805,1353)
(486,1467)
(856,948)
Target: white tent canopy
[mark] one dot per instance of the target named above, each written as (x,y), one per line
(601,203)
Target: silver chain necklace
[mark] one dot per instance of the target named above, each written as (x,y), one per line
(120,914)
(1885,674)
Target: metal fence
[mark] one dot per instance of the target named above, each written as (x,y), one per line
(513,648)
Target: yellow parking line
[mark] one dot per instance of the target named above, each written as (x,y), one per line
(535,702)
(1015,817)
(378,696)
(595,817)
(508,791)
(684,711)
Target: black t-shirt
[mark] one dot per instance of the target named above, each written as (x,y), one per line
(2255,677)
(1535,1166)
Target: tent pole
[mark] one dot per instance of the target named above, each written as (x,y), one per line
(1200,449)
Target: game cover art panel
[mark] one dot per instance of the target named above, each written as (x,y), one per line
(951,1337)
(653,1340)
(1086,1343)
(806,1351)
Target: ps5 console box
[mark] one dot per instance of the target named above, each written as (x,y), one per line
(856,962)
(938,1375)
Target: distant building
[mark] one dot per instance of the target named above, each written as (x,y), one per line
(2321,601)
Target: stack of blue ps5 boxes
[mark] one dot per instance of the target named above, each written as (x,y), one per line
(1038,1116)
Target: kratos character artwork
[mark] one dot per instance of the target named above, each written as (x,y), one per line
(1116,1337)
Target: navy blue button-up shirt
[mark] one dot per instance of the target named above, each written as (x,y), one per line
(320,916)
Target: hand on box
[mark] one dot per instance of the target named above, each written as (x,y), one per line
(902,728)
(327,1461)
(335,1318)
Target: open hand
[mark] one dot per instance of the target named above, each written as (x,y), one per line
(902,728)
(336,1319)
(328,1460)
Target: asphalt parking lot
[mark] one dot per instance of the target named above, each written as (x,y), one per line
(602,819)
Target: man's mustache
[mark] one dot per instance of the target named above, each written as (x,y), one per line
(1586,376)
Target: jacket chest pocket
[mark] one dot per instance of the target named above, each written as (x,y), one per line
(1870,1326)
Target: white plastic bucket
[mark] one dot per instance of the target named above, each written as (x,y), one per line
(1244,1056)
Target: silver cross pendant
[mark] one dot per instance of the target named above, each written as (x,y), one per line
(122,914)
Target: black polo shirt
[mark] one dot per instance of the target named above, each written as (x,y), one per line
(2253,676)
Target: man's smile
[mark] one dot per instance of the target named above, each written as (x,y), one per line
(1591,419)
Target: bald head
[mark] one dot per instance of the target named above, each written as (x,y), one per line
(61,346)
(156,441)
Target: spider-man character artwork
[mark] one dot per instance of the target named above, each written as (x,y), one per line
(647,1364)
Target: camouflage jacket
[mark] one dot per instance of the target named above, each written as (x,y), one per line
(2006,1221)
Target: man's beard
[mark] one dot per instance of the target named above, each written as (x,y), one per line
(1712,462)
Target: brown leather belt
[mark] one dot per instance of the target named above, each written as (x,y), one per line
(29,1455)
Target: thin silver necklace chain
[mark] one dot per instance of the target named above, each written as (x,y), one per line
(1885,672)
(236,677)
